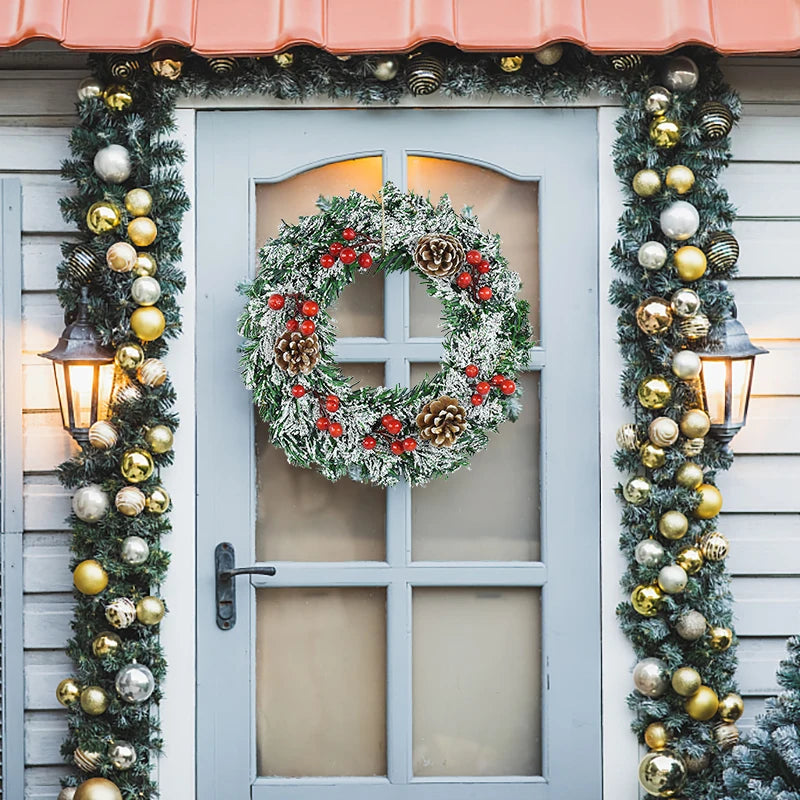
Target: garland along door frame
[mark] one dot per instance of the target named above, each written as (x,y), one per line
(556,149)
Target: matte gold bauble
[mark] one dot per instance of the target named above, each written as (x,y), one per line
(98,789)
(654,315)
(673,525)
(689,475)
(89,577)
(652,456)
(148,323)
(710,501)
(549,55)
(690,625)
(142,231)
(662,773)
(690,262)
(726,735)
(663,431)
(129,355)
(731,707)
(703,704)
(145,266)
(657,100)
(686,681)
(150,610)
(511,63)
(103,217)
(656,736)
(646,183)
(94,700)
(720,638)
(106,643)
(665,133)
(121,257)
(152,372)
(136,465)
(714,546)
(647,599)
(695,423)
(129,501)
(158,501)
(138,202)
(117,97)
(167,62)
(284,60)
(68,692)
(637,490)
(159,438)
(690,559)
(698,764)
(103,435)
(680,179)
(654,392)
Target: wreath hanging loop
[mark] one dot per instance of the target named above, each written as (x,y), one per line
(383,435)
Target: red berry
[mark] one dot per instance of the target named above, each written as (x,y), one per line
(276,302)
(365,261)
(369,442)
(474,257)
(387,420)
(307,327)
(409,444)
(483,388)
(476,399)
(464,280)
(485,293)
(327,260)
(348,234)
(298,390)
(310,308)
(397,448)
(331,403)
(508,387)
(336,248)
(497,380)
(335,430)
(292,325)
(471,371)
(323,423)
(483,267)
(395,426)
(347,256)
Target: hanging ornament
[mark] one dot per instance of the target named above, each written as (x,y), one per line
(98,789)
(138,202)
(651,677)
(129,356)
(662,773)
(89,577)
(722,251)
(686,365)
(626,62)
(222,65)
(654,392)
(284,60)
(82,264)
(646,183)
(665,133)
(105,644)
(121,754)
(117,98)
(511,63)
(146,291)
(680,179)
(690,625)
(672,579)
(710,501)
(134,550)
(424,73)
(148,323)
(152,373)
(647,599)
(656,736)
(549,55)
(651,456)
(145,265)
(121,612)
(663,431)
(690,559)
(167,62)
(637,491)
(690,263)
(657,100)
(689,475)
(67,793)
(68,692)
(731,707)
(726,735)
(720,638)
(627,438)
(385,68)
(158,501)
(150,610)
(673,525)
(680,74)
(86,761)
(686,681)
(714,546)
(103,217)
(685,303)
(142,231)
(94,700)
(715,120)
(122,67)
(89,87)
(135,683)
(129,501)
(90,503)
(692,448)
(654,316)
(121,257)
(127,393)
(695,423)
(649,553)
(680,220)
(113,163)
(703,704)
(694,328)
(136,465)
(652,255)
(159,438)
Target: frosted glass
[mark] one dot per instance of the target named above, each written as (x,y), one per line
(477,681)
(490,511)
(359,311)
(504,205)
(364,374)
(321,682)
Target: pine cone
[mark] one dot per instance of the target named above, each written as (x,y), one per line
(442,421)
(295,353)
(439,255)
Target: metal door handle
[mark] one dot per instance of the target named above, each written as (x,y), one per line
(225,586)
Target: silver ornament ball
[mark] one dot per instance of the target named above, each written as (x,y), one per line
(135,683)
(686,365)
(651,677)
(685,303)
(386,68)
(691,625)
(649,553)
(657,100)
(90,503)
(672,579)
(89,87)
(122,754)
(113,163)
(134,550)
(652,255)
(680,221)
(680,74)
(146,291)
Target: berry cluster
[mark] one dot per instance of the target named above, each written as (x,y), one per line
(483,388)
(330,404)
(473,278)
(393,427)
(306,308)
(346,253)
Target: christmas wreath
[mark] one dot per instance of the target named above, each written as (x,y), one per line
(383,435)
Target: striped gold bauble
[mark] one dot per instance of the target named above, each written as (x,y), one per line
(424,73)
(726,735)
(152,372)
(714,119)
(626,62)
(130,501)
(122,67)
(627,438)
(82,264)
(722,251)
(86,760)
(103,435)
(222,65)
(694,328)
(714,546)
(693,447)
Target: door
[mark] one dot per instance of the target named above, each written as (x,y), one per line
(427,643)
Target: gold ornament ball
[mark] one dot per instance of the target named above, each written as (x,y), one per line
(121,257)
(654,392)
(690,559)
(654,315)
(710,501)
(136,465)
(673,525)
(148,323)
(686,681)
(726,735)
(511,63)
(68,692)
(665,133)
(689,475)
(652,456)
(106,643)
(703,704)
(662,773)
(647,599)
(690,262)
(657,100)
(117,98)
(159,438)
(138,202)
(714,546)
(637,490)
(150,610)
(142,231)
(129,501)
(152,372)
(103,217)
(656,736)
(158,501)
(145,266)
(627,438)
(646,183)
(167,62)
(103,435)
(94,700)
(129,356)
(663,431)
(549,55)
(720,638)
(699,764)
(695,423)
(693,447)
(87,761)
(284,60)
(89,577)
(680,179)
(731,707)
(98,789)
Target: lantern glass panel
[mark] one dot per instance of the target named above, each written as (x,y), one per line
(714,373)
(740,379)
(58,369)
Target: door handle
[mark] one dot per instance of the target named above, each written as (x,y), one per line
(224,573)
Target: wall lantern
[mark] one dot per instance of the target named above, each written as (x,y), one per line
(84,371)
(727,378)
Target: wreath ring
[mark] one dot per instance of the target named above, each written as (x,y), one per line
(383,435)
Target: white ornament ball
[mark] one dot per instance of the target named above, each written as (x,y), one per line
(121,257)
(386,68)
(549,55)
(90,503)
(135,683)
(691,625)
(103,435)
(113,163)
(680,221)
(152,372)
(652,255)
(651,677)
(130,501)
(121,754)
(663,431)
(146,291)
(121,612)
(649,553)
(672,579)
(686,365)
(134,550)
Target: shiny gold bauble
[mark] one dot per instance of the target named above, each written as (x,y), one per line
(652,456)
(129,355)
(142,231)
(680,179)
(98,789)
(167,62)
(88,761)
(657,100)
(646,183)
(662,773)
(673,525)
(117,97)
(103,435)
(157,501)
(89,577)
(654,392)
(647,599)
(159,438)
(136,465)
(703,704)
(654,315)
(103,217)
(665,133)
(511,63)
(284,60)
(94,700)
(656,736)
(695,423)
(691,559)
(726,735)
(686,681)
(152,372)
(121,257)
(106,643)
(663,431)
(637,490)
(150,610)
(138,202)
(689,475)
(714,546)
(148,323)
(731,707)
(68,692)
(145,266)
(129,501)
(710,501)
(720,638)
(690,262)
